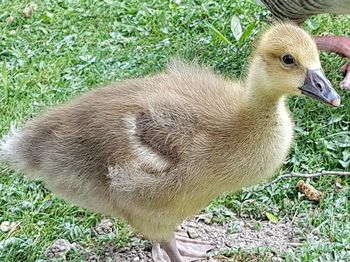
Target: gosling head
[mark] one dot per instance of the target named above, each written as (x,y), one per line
(286,62)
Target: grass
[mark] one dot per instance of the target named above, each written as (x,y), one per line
(66,47)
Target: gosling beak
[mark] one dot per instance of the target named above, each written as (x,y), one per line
(317,86)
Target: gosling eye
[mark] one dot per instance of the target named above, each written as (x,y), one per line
(288,60)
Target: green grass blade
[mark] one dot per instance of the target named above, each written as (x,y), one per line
(220,35)
(5,83)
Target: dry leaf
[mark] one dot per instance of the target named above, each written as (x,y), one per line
(309,191)
(28,11)
(10,19)
(338,186)
(7,226)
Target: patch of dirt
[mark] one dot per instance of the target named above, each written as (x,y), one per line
(138,250)
(106,226)
(60,248)
(240,233)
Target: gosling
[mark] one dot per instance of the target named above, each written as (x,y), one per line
(158,149)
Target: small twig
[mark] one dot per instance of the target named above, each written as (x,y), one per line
(323,173)
(294,244)
(296,213)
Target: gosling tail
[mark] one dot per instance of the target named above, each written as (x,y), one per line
(6,145)
(16,151)
(9,148)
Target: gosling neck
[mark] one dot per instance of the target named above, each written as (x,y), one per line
(261,95)
(261,99)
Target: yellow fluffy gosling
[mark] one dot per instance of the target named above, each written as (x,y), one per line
(158,149)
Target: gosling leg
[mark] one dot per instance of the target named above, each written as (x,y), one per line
(193,248)
(180,249)
(158,254)
(171,249)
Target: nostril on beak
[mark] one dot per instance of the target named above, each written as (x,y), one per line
(319,86)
